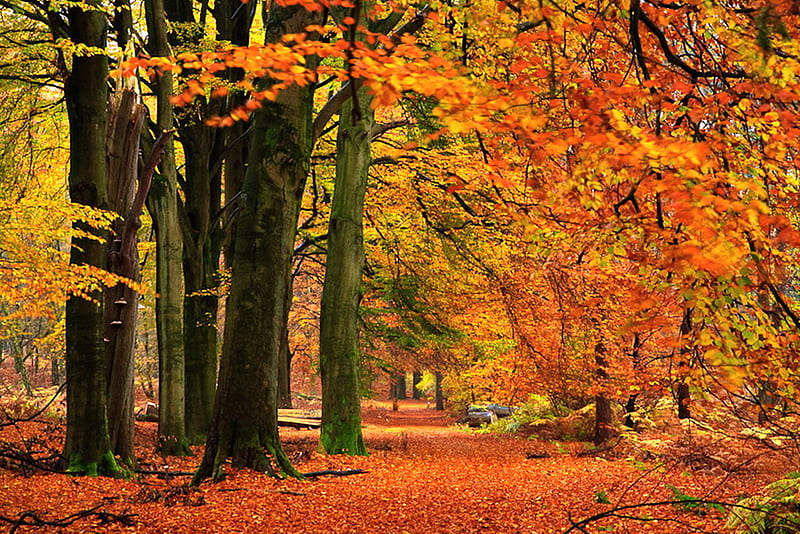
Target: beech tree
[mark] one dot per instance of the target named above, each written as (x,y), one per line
(121,301)
(162,204)
(87,447)
(244,425)
(339,315)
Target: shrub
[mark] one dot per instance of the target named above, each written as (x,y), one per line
(777,511)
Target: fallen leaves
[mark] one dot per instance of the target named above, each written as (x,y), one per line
(424,476)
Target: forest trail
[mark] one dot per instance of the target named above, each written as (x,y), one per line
(424,475)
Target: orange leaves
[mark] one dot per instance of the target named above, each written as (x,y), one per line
(718,258)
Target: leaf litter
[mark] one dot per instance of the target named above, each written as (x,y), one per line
(423,475)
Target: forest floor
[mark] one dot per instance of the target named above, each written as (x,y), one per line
(423,475)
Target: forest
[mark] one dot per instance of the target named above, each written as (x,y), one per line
(260,261)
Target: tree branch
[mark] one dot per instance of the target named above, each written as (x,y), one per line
(335,103)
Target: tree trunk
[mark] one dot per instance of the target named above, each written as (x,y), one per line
(202,242)
(682,396)
(202,232)
(87,448)
(338,339)
(438,392)
(121,302)
(163,207)
(415,380)
(244,425)
(402,390)
(234,20)
(285,375)
(341,295)
(602,404)
(630,406)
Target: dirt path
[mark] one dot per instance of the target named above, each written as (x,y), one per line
(424,476)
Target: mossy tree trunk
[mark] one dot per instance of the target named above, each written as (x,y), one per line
(87,448)
(339,352)
(163,207)
(244,424)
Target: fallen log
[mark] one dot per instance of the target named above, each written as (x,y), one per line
(299,422)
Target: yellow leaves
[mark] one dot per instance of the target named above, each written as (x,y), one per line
(35,273)
(505,43)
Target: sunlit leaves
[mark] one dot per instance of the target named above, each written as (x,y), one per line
(35,273)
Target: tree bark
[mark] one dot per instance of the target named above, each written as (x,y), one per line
(163,207)
(234,20)
(338,339)
(682,395)
(87,448)
(438,392)
(125,124)
(339,351)
(203,149)
(201,250)
(285,375)
(630,406)
(415,392)
(244,425)
(603,415)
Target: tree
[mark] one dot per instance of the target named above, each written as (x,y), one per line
(162,204)
(244,425)
(207,152)
(339,348)
(87,448)
(122,301)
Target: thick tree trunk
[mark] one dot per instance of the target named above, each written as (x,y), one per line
(125,124)
(244,425)
(163,207)
(202,241)
(87,448)
(339,352)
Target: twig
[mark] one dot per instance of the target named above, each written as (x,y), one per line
(333,472)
